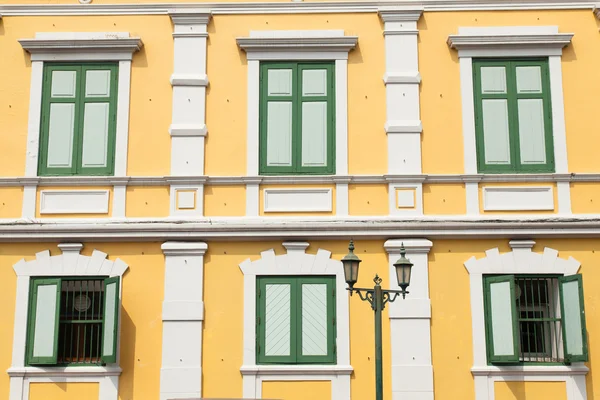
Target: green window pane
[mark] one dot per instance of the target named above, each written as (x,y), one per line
(96,121)
(493,80)
(532,141)
(314,319)
(496,132)
(61,135)
(529,79)
(314,133)
(64,84)
(97,83)
(278,320)
(279,133)
(45,321)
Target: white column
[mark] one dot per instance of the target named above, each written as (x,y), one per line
(188,126)
(410,324)
(403,121)
(183,313)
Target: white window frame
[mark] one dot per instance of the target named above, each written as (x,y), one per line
(520,261)
(512,42)
(79,47)
(69,263)
(297,263)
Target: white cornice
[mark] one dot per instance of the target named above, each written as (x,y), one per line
(469,42)
(297,228)
(288,7)
(309,44)
(397,14)
(190,16)
(184,248)
(39,45)
(306,179)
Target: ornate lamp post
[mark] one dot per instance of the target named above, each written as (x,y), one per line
(378,298)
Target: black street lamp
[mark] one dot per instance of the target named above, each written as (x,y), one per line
(378,298)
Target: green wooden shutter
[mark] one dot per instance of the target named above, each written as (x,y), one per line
(98,124)
(573,318)
(277,320)
(111,320)
(502,327)
(297,118)
(78,128)
(513,116)
(60,120)
(44,314)
(316,320)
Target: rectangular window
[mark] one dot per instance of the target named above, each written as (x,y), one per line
(297,114)
(73,321)
(295,321)
(513,116)
(78,124)
(535,319)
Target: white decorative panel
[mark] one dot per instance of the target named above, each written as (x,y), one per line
(493,80)
(74,201)
(97,83)
(297,200)
(314,82)
(277,320)
(280,82)
(522,198)
(95,134)
(405,198)
(529,79)
(45,321)
(314,133)
(314,319)
(63,84)
(502,319)
(60,135)
(279,133)
(532,141)
(495,131)
(186,199)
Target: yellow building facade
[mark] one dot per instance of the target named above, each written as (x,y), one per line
(179,182)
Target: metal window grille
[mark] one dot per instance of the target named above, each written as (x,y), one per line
(538,308)
(80,323)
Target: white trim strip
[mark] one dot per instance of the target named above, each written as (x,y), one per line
(74,201)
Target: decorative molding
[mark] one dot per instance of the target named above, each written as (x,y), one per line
(292,7)
(509,41)
(295,262)
(297,200)
(187,129)
(405,210)
(400,14)
(518,198)
(403,127)
(182,320)
(309,44)
(519,261)
(186,200)
(190,16)
(189,80)
(81,46)
(293,179)
(396,77)
(69,263)
(74,201)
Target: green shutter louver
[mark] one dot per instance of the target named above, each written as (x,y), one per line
(501,319)
(573,314)
(111,320)
(43,321)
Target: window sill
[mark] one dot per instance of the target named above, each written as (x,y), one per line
(88,371)
(533,370)
(296,369)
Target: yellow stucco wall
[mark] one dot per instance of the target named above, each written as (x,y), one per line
(441,106)
(227,106)
(585,198)
(369,199)
(11,202)
(147,201)
(281,390)
(224,201)
(141,318)
(444,199)
(530,390)
(63,391)
(150,106)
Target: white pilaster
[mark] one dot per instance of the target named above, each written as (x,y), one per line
(183,313)
(189,80)
(341,197)
(410,324)
(29,201)
(402,79)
